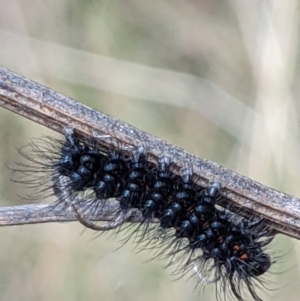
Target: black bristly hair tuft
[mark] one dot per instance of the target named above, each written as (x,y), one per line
(193,232)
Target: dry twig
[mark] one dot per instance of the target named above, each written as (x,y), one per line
(36,214)
(56,111)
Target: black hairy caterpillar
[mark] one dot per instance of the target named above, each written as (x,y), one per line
(192,231)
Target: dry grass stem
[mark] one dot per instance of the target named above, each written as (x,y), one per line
(36,214)
(55,111)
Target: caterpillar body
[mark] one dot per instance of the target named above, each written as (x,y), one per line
(193,232)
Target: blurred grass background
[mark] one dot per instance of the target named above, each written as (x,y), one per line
(219,78)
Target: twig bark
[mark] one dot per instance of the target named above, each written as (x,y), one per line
(56,111)
(37,214)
